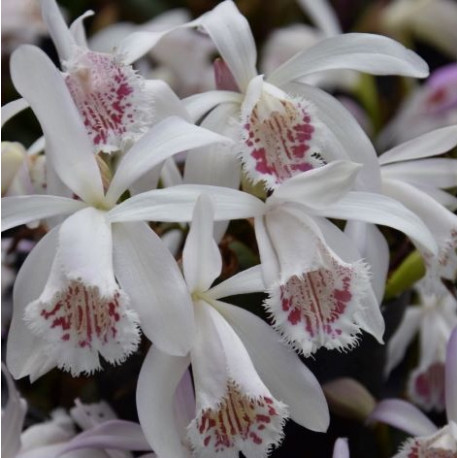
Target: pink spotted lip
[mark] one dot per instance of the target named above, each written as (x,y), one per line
(427,387)
(279,140)
(319,308)
(110,97)
(239,423)
(78,323)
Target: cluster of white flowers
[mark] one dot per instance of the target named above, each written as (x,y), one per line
(122,151)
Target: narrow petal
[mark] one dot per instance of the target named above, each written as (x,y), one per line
(309,189)
(245,282)
(379,209)
(440,221)
(198,105)
(157,382)
(112,434)
(81,312)
(281,370)
(232,36)
(78,31)
(60,34)
(450,378)
(269,261)
(11,109)
(170,173)
(165,139)
(175,204)
(202,261)
(374,249)
(68,147)
(322,16)
(26,209)
(404,416)
(342,125)
(235,411)
(397,346)
(433,143)
(440,173)
(23,355)
(364,52)
(150,276)
(13,415)
(341,449)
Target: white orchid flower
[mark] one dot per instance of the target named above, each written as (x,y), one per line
(102,436)
(429,440)
(246,380)
(428,107)
(413,176)
(115,103)
(433,319)
(287,127)
(320,290)
(74,308)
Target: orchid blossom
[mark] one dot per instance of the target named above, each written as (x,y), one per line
(413,176)
(428,107)
(73,307)
(103,436)
(434,319)
(246,381)
(429,440)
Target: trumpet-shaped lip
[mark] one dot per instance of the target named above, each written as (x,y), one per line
(111,99)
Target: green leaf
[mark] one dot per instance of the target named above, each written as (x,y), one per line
(405,276)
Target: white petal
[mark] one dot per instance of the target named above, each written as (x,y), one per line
(166,138)
(433,143)
(440,221)
(232,35)
(404,416)
(397,345)
(236,412)
(435,172)
(450,378)
(322,16)
(318,187)
(11,109)
(68,147)
(111,434)
(379,209)
(443,197)
(245,282)
(81,313)
(341,448)
(198,105)
(216,166)
(280,368)
(13,415)
(78,31)
(36,147)
(23,355)
(175,204)
(26,209)
(341,124)
(269,261)
(364,52)
(157,382)
(60,34)
(166,102)
(202,261)
(170,173)
(150,276)
(374,250)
